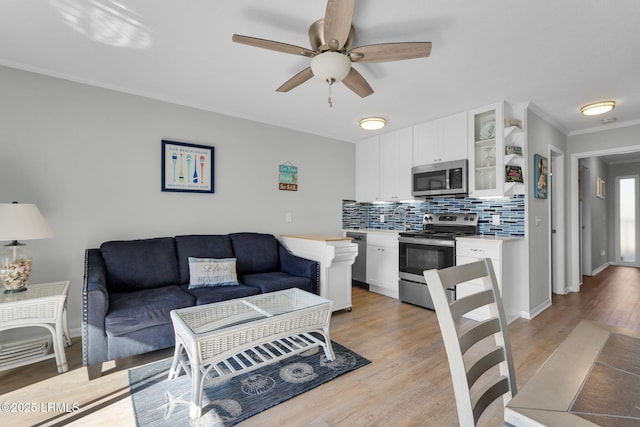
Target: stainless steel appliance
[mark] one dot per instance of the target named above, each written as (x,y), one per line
(440,179)
(359,267)
(432,247)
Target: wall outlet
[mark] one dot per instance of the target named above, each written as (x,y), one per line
(495,219)
(381,217)
(287,217)
(603,252)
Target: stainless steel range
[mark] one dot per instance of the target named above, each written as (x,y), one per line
(432,247)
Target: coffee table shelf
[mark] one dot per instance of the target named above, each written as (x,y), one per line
(221,340)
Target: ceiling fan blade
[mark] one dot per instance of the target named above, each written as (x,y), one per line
(296,80)
(357,83)
(337,22)
(272,45)
(390,52)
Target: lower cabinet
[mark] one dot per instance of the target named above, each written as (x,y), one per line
(506,256)
(382,264)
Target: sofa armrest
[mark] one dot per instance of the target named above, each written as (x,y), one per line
(298,266)
(95,305)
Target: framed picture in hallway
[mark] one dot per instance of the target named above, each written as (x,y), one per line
(599,188)
(187,167)
(540,176)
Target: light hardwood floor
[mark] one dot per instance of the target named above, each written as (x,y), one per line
(407,383)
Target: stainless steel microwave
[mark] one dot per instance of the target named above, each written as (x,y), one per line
(440,179)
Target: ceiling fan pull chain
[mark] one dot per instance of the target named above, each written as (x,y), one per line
(330,81)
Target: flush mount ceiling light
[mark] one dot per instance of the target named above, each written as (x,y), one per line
(597,108)
(372,123)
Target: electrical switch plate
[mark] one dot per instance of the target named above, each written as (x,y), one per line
(287,217)
(495,219)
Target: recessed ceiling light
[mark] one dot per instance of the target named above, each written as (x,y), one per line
(373,123)
(597,108)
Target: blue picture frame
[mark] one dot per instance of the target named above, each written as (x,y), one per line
(187,168)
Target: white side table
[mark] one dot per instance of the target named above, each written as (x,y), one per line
(43,305)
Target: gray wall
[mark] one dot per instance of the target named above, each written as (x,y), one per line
(540,135)
(598,210)
(90,159)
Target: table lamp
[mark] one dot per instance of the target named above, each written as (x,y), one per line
(19,221)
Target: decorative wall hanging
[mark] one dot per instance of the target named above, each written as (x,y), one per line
(288,177)
(599,188)
(187,167)
(540,175)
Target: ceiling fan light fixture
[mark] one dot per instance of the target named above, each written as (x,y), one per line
(373,123)
(330,66)
(596,108)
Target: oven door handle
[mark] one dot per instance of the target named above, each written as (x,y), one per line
(427,241)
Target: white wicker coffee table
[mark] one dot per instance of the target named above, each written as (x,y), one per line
(221,340)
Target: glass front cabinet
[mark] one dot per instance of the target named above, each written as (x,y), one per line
(497,151)
(486,148)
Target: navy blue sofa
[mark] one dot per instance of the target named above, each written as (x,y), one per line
(131,286)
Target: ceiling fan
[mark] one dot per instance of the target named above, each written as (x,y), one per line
(331,52)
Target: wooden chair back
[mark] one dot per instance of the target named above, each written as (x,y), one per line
(461,336)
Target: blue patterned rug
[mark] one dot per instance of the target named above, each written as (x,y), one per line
(158,401)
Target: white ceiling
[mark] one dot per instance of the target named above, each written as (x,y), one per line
(557,54)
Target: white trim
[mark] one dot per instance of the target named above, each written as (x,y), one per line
(558,180)
(547,118)
(536,310)
(605,127)
(599,269)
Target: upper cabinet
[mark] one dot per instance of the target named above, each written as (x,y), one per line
(383,167)
(395,165)
(496,153)
(440,140)
(367,169)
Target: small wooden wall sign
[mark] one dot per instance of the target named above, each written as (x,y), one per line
(288,178)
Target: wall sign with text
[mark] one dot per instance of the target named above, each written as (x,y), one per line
(288,180)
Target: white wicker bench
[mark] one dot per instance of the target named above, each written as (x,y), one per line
(221,340)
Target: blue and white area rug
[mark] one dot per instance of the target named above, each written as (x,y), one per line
(158,401)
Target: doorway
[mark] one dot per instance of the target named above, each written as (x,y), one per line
(556,213)
(574,224)
(626,220)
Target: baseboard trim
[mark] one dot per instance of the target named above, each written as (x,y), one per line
(529,315)
(599,269)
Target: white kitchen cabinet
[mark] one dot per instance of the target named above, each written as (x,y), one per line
(367,169)
(506,256)
(382,263)
(440,140)
(396,154)
(486,151)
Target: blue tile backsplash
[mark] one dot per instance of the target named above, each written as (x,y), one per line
(367,215)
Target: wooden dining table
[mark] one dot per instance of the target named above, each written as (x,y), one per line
(592,378)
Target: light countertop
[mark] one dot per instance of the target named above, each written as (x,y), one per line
(492,237)
(316,237)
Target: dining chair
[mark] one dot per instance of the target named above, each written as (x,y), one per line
(469,362)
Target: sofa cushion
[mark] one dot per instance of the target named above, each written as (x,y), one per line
(200,246)
(140,264)
(132,311)
(210,272)
(216,294)
(255,252)
(277,281)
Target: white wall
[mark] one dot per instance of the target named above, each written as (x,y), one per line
(90,159)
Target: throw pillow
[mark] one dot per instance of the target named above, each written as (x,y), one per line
(212,272)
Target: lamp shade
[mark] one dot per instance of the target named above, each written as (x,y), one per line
(331,66)
(22,221)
